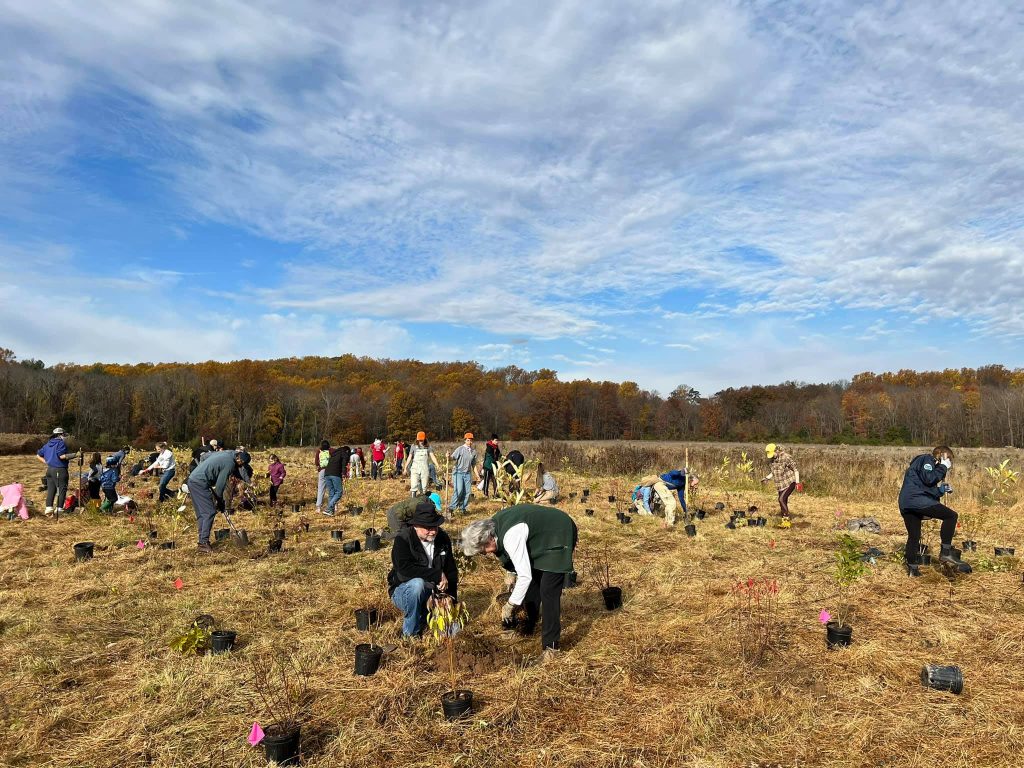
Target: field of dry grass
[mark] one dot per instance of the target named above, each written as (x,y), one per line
(87,678)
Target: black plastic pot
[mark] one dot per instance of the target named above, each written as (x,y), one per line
(625,519)
(701,514)
(222,640)
(619,516)
(221,534)
(586,492)
(752,508)
(762,522)
(572,495)
(969,546)
(571,579)
(731,525)
(719,506)
(167,545)
(353,512)
(691,530)
(365,618)
(359,510)
(281,746)
(373,542)
(153,534)
(837,636)
(350,547)
(274,545)
(1004,551)
(943,678)
(456,704)
(368,659)
(588,512)
(612,597)
(338,535)
(83,550)
(611,498)
(279,533)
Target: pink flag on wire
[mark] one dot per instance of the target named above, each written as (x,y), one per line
(824,617)
(178,583)
(256,734)
(141,544)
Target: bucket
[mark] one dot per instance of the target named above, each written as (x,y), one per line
(368,659)
(943,678)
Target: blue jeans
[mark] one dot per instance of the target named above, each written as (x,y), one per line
(460,491)
(165,478)
(333,484)
(411,599)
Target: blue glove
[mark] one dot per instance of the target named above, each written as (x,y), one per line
(945,488)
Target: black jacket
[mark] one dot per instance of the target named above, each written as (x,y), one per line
(337,464)
(409,561)
(922,483)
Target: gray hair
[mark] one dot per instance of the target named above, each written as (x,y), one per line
(478,535)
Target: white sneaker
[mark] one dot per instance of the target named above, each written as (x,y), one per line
(48,511)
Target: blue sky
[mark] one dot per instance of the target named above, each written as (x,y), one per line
(711,194)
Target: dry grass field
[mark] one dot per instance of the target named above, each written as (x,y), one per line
(87,677)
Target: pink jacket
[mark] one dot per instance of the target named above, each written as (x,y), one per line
(277,473)
(14,499)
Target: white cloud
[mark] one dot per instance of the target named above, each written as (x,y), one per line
(561,169)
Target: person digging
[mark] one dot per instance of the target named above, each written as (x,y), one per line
(923,487)
(654,494)
(422,568)
(207,484)
(536,543)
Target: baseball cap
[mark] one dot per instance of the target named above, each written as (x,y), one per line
(59,431)
(770,450)
(421,435)
(468,436)
(436,499)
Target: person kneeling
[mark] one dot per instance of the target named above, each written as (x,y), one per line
(421,562)
(923,486)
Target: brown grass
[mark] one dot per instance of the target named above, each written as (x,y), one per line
(86,678)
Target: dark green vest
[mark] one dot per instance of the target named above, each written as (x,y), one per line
(551,540)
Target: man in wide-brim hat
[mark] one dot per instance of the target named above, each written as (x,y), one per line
(422,564)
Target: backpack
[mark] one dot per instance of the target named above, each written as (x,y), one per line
(324,457)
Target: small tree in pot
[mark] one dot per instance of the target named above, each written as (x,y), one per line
(282,686)
(849,568)
(445,619)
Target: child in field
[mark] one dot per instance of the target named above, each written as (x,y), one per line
(547,487)
(276,472)
(784,472)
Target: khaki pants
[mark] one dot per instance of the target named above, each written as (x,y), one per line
(545,497)
(419,479)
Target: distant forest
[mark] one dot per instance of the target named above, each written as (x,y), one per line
(297,401)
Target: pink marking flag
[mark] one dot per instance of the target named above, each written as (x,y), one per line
(178,583)
(824,617)
(141,544)
(256,734)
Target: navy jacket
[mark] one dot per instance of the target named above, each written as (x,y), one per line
(675,480)
(53,450)
(921,483)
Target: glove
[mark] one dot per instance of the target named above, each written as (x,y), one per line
(508,611)
(946,462)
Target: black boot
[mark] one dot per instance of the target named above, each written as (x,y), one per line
(913,566)
(951,557)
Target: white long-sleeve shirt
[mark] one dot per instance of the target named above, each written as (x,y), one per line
(164,461)
(514,545)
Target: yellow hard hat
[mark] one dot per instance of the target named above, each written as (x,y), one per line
(770,450)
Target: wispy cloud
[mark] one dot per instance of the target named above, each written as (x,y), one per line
(555,171)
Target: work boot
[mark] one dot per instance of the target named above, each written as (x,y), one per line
(550,655)
(204,549)
(913,566)
(951,557)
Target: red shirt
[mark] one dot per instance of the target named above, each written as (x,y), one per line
(378,453)
(400,451)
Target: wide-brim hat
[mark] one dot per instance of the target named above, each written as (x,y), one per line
(426,516)
(59,431)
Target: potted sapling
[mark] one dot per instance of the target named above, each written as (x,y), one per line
(445,619)
(849,568)
(282,687)
(372,543)
(601,575)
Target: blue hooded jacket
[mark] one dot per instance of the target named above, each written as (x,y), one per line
(53,450)
(676,481)
(922,483)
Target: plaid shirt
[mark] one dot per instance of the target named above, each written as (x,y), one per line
(783,470)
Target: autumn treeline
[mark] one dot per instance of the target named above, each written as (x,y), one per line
(297,401)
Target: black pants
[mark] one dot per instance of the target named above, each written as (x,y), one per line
(273,493)
(490,479)
(56,486)
(913,518)
(545,596)
(94,489)
(111,494)
(376,470)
